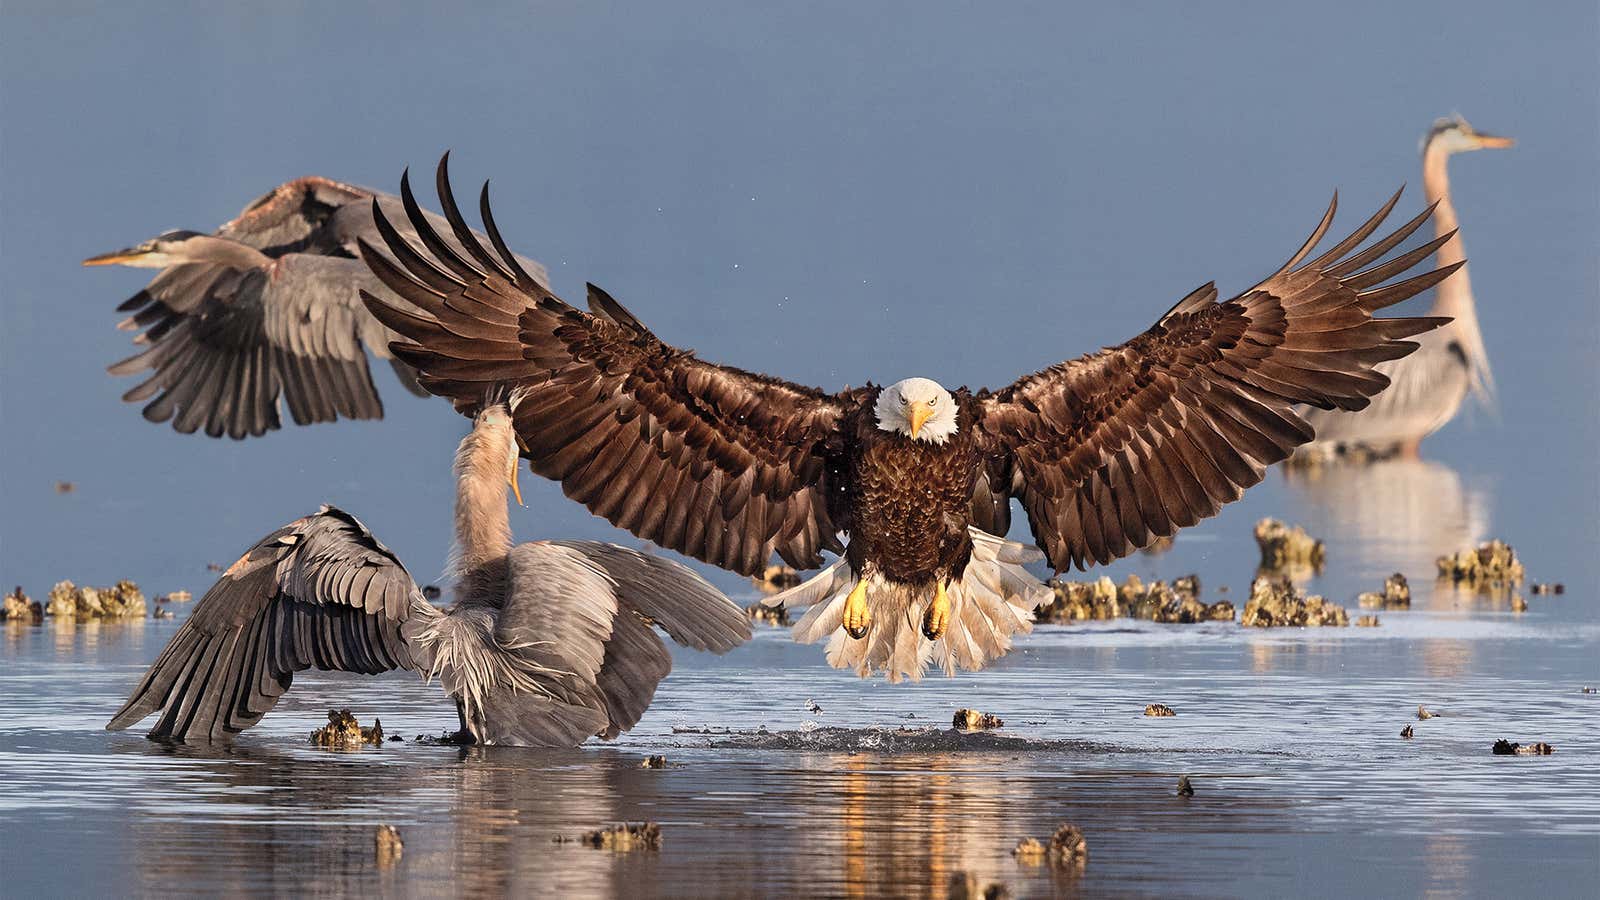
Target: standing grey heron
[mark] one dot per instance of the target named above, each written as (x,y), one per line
(266,307)
(1426,388)
(547,643)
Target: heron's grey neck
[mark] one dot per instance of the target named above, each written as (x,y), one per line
(223,252)
(483,522)
(1436,183)
(1453,296)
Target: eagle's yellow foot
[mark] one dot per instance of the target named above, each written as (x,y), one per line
(856,615)
(937,616)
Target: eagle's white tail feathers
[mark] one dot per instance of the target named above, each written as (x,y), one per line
(993,600)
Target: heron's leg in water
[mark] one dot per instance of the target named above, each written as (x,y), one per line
(856,615)
(937,617)
(464,736)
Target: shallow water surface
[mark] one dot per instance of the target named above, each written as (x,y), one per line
(1291,737)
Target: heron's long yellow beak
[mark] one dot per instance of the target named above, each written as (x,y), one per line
(115,258)
(920,413)
(1494,141)
(516,489)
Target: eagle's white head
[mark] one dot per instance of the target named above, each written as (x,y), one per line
(919,409)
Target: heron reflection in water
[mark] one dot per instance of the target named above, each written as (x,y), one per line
(1428,387)
(1396,514)
(548,642)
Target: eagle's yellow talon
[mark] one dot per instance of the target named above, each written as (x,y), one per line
(937,617)
(856,615)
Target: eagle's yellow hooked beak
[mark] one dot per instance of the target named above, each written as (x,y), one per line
(920,413)
(511,476)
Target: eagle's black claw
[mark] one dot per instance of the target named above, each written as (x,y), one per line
(857,633)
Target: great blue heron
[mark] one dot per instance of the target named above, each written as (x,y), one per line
(1426,388)
(548,642)
(265,307)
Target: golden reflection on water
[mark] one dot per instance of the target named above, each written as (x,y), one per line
(1448,861)
(1442,658)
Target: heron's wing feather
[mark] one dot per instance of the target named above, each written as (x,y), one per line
(635,663)
(558,610)
(319,592)
(581,612)
(1109,451)
(223,345)
(670,595)
(716,463)
(294,216)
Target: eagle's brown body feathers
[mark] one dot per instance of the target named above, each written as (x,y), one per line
(1105,453)
(906,503)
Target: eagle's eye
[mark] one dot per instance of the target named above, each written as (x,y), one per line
(934,400)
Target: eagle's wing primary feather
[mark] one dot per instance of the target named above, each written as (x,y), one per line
(320,591)
(1114,449)
(716,463)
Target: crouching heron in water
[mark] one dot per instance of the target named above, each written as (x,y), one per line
(263,311)
(1426,388)
(548,642)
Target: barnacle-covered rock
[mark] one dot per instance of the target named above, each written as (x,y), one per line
(19,608)
(1179,602)
(1068,847)
(1159,710)
(1029,852)
(123,600)
(776,616)
(1396,594)
(1285,548)
(1275,602)
(343,732)
(972,720)
(1488,568)
(1512,748)
(776,578)
(625,837)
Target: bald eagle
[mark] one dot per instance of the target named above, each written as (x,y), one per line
(1105,453)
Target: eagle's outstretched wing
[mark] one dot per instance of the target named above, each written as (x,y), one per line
(1112,450)
(716,463)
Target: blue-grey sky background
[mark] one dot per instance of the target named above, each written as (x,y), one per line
(836,193)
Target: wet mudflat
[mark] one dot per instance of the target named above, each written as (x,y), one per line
(1290,738)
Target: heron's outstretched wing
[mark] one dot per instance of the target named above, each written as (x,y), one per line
(560,616)
(320,591)
(580,612)
(1109,451)
(716,463)
(224,345)
(670,595)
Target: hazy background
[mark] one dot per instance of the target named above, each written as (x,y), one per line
(834,193)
